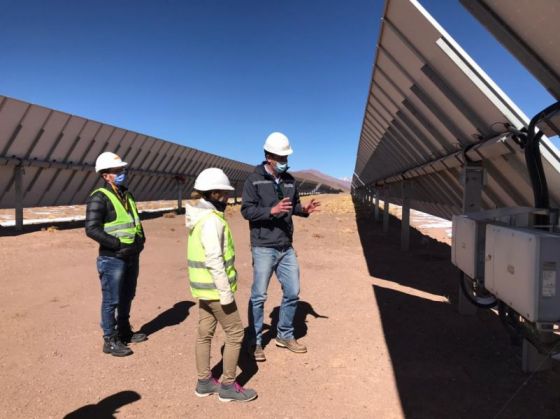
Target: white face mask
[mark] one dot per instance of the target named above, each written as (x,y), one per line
(281,167)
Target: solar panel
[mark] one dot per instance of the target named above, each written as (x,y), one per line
(431,109)
(529,30)
(47,158)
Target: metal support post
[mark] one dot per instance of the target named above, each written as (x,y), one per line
(18,184)
(532,360)
(385,214)
(236,187)
(179,196)
(376,208)
(472,178)
(405,217)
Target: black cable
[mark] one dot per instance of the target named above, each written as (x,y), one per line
(534,160)
(477,303)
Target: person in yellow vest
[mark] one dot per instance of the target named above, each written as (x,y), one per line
(112,221)
(213,280)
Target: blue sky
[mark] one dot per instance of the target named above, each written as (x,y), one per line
(219,75)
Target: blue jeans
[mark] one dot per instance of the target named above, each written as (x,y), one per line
(284,263)
(118,286)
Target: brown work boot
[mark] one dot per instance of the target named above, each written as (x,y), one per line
(258,353)
(292,345)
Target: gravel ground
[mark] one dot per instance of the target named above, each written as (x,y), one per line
(384,337)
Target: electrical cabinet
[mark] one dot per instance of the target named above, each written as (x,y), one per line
(521,269)
(467,246)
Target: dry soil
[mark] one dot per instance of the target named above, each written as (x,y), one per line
(381,326)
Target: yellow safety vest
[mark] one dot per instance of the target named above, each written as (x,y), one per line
(200,278)
(126,225)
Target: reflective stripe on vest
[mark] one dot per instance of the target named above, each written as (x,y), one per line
(200,278)
(126,225)
(202,265)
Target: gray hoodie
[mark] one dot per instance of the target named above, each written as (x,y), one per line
(213,241)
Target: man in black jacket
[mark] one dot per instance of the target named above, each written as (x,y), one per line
(112,220)
(270,198)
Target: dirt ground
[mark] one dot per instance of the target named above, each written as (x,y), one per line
(381,326)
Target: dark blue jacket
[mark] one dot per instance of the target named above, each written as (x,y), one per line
(260,194)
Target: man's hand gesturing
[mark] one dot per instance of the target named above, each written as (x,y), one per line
(312,206)
(283,206)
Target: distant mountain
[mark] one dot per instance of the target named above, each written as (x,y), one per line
(325,179)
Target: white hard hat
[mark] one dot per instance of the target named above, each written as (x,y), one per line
(277,143)
(108,160)
(212,179)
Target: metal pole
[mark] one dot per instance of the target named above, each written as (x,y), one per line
(376,208)
(179,196)
(405,217)
(472,179)
(473,175)
(385,213)
(18,183)
(531,359)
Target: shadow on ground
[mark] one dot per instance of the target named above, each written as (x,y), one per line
(303,310)
(106,408)
(445,364)
(247,364)
(170,317)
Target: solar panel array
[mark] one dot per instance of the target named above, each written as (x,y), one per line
(49,156)
(529,30)
(430,109)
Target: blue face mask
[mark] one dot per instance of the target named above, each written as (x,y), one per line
(120,179)
(281,167)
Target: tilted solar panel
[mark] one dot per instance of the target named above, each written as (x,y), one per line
(430,109)
(55,153)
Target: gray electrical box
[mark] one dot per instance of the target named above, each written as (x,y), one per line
(521,269)
(469,236)
(467,246)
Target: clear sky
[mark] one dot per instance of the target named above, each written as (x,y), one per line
(220,75)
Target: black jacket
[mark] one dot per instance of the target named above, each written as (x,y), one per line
(260,194)
(99,211)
